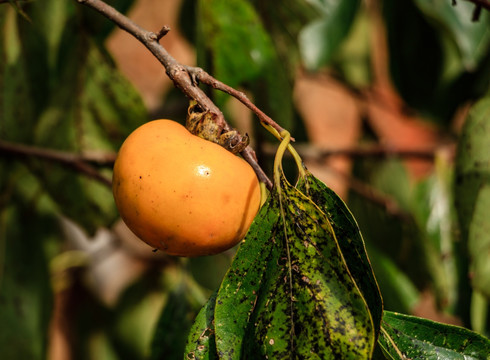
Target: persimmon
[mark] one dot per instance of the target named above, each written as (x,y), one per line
(182,194)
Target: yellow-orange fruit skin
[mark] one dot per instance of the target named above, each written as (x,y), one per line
(182,194)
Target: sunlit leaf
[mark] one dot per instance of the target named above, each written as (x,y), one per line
(244,278)
(350,242)
(293,293)
(409,337)
(201,343)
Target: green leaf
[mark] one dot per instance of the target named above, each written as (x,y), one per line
(289,292)
(283,22)
(434,216)
(404,336)
(16,113)
(93,110)
(243,280)
(237,47)
(472,192)
(399,292)
(471,37)
(182,306)
(98,26)
(25,292)
(320,39)
(201,343)
(350,241)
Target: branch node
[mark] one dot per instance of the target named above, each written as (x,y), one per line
(151,36)
(194,73)
(163,31)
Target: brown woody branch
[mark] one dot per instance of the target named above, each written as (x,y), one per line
(177,72)
(80,163)
(202,76)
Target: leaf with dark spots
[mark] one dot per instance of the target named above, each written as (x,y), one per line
(328,309)
(409,337)
(240,287)
(349,239)
(289,293)
(201,343)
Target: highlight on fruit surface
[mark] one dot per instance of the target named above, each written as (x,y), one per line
(182,194)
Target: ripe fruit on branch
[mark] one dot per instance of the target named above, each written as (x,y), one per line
(182,194)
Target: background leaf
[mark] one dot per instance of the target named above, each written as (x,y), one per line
(15,105)
(320,39)
(472,191)
(182,305)
(27,223)
(405,336)
(471,37)
(407,31)
(233,34)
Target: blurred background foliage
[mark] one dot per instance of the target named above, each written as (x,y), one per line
(389,104)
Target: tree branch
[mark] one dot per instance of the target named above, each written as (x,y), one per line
(80,163)
(309,152)
(202,76)
(178,73)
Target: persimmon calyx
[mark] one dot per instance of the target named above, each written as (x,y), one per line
(203,123)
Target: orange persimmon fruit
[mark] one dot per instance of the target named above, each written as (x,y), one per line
(182,194)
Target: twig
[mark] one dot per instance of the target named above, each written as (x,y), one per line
(163,31)
(80,163)
(202,76)
(177,72)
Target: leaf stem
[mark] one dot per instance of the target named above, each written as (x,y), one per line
(286,137)
(282,136)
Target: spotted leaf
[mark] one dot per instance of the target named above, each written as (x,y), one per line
(409,337)
(350,241)
(289,293)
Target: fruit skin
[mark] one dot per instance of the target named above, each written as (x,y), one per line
(182,194)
